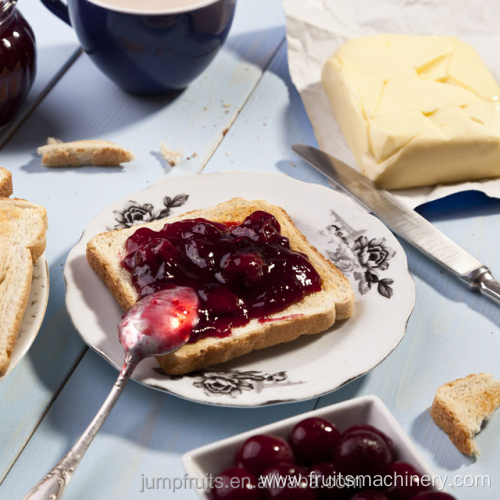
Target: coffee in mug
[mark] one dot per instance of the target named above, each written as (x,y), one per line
(152,6)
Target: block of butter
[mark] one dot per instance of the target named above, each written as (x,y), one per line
(416,110)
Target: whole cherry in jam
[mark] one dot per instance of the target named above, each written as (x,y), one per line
(287,482)
(260,452)
(314,440)
(362,453)
(243,268)
(323,477)
(366,427)
(408,481)
(370,495)
(235,483)
(240,271)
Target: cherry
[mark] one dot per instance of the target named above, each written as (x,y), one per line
(235,483)
(362,453)
(314,440)
(323,478)
(158,250)
(370,495)
(246,268)
(407,483)
(286,482)
(141,236)
(258,226)
(259,452)
(366,427)
(433,495)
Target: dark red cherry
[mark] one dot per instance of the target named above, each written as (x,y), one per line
(157,250)
(408,481)
(366,427)
(323,477)
(314,440)
(235,484)
(362,453)
(286,482)
(370,495)
(141,236)
(259,227)
(259,452)
(245,268)
(433,495)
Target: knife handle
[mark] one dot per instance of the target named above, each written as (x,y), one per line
(483,281)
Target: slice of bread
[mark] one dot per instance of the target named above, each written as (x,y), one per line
(313,314)
(22,242)
(81,153)
(5,183)
(461,406)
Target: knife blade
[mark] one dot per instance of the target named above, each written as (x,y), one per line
(404,221)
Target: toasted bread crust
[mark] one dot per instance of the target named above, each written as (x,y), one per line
(284,327)
(5,183)
(448,409)
(81,153)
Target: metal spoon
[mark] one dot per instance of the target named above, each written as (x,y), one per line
(158,324)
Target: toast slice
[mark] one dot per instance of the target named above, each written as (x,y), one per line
(81,153)
(5,183)
(461,406)
(313,314)
(22,242)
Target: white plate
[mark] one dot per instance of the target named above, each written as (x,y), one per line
(33,316)
(303,369)
(212,459)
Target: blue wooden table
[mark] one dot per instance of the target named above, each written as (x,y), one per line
(241,114)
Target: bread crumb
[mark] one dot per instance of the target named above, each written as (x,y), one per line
(53,140)
(170,156)
(228,153)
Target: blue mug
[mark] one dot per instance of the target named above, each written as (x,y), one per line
(148,53)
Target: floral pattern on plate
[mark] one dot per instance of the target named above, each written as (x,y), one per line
(218,382)
(359,256)
(134,213)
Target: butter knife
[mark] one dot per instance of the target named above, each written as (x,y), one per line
(405,222)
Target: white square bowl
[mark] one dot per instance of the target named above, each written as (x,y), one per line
(215,457)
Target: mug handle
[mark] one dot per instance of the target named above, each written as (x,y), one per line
(59,9)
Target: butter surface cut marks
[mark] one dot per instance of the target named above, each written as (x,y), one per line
(416,110)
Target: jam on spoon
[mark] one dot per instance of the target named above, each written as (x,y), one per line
(156,325)
(240,271)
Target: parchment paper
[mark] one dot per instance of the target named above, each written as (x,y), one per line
(316,28)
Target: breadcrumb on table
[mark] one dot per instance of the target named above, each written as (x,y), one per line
(169,155)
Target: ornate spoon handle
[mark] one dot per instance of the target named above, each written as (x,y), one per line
(53,485)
